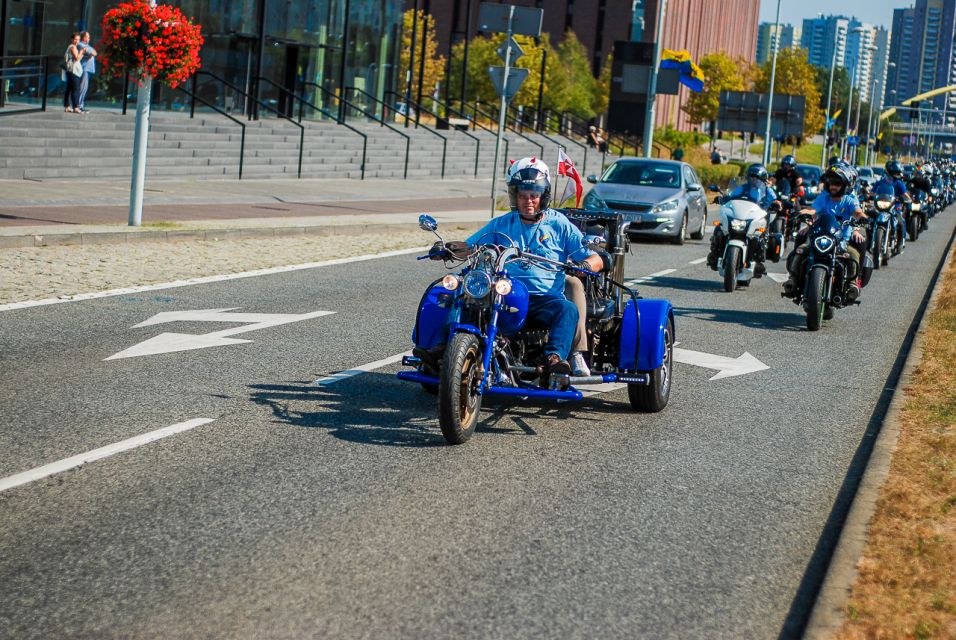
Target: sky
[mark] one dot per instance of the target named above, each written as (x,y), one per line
(875,12)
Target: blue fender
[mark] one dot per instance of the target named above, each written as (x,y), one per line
(648,345)
(431,324)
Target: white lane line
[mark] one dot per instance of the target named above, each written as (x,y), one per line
(698,260)
(649,277)
(661,273)
(778,277)
(98,454)
(365,368)
(204,280)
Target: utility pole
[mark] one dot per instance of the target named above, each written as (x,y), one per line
(775,41)
(652,89)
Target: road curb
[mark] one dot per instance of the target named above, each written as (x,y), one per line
(198,235)
(827,617)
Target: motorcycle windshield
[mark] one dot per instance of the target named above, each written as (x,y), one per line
(826,224)
(884,189)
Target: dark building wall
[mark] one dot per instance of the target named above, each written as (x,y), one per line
(596,23)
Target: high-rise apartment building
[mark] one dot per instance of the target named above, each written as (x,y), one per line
(784,36)
(922,53)
(821,36)
(901,55)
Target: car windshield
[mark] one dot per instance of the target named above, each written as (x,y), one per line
(643,174)
(809,174)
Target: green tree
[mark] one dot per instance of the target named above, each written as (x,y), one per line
(721,72)
(795,76)
(602,88)
(434,63)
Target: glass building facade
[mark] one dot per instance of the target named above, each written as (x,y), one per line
(297,45)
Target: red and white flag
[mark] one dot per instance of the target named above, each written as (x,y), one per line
(566,168)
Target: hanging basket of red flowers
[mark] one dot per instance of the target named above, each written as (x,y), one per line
(145,41)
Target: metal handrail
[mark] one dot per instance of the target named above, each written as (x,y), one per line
(515,131)
(242,139)
(328,114)
(584,162)
(557,143)
(419,109)
(325,112)
(474,122)
(351,105)
(255,100)
(444,140)
(42,68)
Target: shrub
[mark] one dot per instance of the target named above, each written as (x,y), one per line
(719,174)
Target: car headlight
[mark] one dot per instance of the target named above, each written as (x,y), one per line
(667,205)
(503,287)
(738,225)
(823,244)
(450,282)
(916,206)
(884,204)
(593,202)
(477,284)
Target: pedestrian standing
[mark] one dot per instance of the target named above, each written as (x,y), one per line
(678,153)
(72,65)
(88,61)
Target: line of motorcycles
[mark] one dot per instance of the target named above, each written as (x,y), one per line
(749,235)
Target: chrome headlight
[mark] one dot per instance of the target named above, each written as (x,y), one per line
(916,206)
(738,225)
(667,205)
(884,204)
(450,282)
(823,244)
(593,202)
(477,284)
(503,287)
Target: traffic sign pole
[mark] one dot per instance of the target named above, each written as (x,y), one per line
(503,110)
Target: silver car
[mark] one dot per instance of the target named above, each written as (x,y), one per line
(662,198)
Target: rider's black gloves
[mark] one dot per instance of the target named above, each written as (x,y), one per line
(450,250)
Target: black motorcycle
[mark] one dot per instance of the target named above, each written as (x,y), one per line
(827,272)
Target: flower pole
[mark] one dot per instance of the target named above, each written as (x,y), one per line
(154,43)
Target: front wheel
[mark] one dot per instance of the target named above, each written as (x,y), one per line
(458,400)
(912,227)
(731,263)
(779,226)
(653,397)
(682,232)
(878,247)
(816,298)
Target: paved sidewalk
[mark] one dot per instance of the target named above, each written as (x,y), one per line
(96,212)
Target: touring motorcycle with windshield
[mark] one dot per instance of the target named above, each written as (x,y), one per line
(742,240)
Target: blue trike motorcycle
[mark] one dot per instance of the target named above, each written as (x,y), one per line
(477,320)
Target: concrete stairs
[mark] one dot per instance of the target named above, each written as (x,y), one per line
(58,145)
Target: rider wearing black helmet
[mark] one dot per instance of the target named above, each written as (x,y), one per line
(840,201)
(894,177)
(787,172)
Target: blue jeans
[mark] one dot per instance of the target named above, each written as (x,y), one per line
(561,316)
(85,81)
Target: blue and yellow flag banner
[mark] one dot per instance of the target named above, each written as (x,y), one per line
(690,74)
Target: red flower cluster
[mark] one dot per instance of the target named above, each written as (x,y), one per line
(152,42)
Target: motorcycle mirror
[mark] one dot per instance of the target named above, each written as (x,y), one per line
(592,179)
(714,188)
(427,223)
(594,241)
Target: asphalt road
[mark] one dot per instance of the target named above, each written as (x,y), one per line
(336,510)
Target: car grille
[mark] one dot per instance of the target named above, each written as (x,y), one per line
(627,206)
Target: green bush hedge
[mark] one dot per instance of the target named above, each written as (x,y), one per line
(719,174)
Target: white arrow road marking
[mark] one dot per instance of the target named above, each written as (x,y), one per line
(98,454)
(650,277)
(726,367)
(365,368)
(778,277)
(170,342)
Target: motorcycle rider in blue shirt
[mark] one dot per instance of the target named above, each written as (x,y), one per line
(839,201)
(537,229)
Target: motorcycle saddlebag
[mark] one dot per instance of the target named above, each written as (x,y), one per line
(866,269)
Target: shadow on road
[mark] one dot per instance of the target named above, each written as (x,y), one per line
(377,408)
(773,320)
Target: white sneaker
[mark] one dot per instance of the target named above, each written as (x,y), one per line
(579,367)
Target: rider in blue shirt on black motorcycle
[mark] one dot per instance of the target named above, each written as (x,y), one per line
(843,204)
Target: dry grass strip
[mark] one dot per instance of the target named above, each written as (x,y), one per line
(906,586)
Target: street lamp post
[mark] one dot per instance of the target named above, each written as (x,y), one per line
(826,122)
(775,42)
(652,89)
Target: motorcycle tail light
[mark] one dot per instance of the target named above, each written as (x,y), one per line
(450,282)
(503,287)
